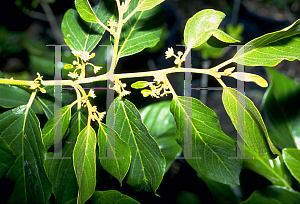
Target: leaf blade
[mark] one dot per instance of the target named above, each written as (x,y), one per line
(291,157)
(7,157)
(111,196)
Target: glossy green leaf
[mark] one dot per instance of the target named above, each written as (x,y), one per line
(84,161)
(7,157)
(208,141)
(291,158)
(271,48)
(252,129)
(85,11)
(20,128)
(202,26)
(274,194)
(12,96)
(161,125)
(144,5)
(140,84)
(114,153)
(60,170)
(111,197)
(47,100)
(274,169)
(142,30)
(221,193)
(147,162)
(283,95)
(81,35)
(58,123)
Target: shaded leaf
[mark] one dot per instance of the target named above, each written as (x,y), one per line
(84,161)
(274,169)
(200,135)
(142,30)
(58,123)
(111,197)
(271,48)
(60,171)
(83,36)
(202,26)
(248,122)
(291,158)
(7,157)
(116,151)
(147,162)
(283,95)
(274,194)
(20,128)
(161,125)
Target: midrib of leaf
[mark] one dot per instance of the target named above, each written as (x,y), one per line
(132,133)
(203,140)
(255,49)
(128,36)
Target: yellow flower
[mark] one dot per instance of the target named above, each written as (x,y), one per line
(85,56)
(159,78)
(169,53)
(73,75)
(92,93)
(76,53)
(96,69)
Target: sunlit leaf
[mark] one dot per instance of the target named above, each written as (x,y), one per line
(291,157)
(85,11)
(250,125)
(271,48)
(250,78)
(144,5)
(142,30)
(147,162)
(114,153)
(283,95)
(60,170)
(58,124)
(140,84)
(84,161)
(7,157)
(205,146)
(274,194)
(161,125)
(20,128)
(202,26)
(111,196)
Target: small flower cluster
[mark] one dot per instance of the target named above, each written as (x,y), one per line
(125,5)
(84,56)
(85,98)
(178,58)
(119,88)
(95,115)
(112,24)
(158,87)
(37,83)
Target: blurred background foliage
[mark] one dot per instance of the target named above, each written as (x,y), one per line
(30,27)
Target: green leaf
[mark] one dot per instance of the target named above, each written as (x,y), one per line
(140,84)
(147,161)
(117,154)
(12,96)
(271,48)
(274,170)
(144,5)
(85,11)
(161,125)
(250,125)
(84,161)
(291,158)
(58,123)
(202,26)
(207,140)
(221,193)
(68,66)
(7,157)
(80,35)
(274,194)
(60,171)
(20,128)
(142,30)
(283,95)
(111,197)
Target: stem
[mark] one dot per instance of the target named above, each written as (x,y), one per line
(216,68)
(33,94)
(170,87)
